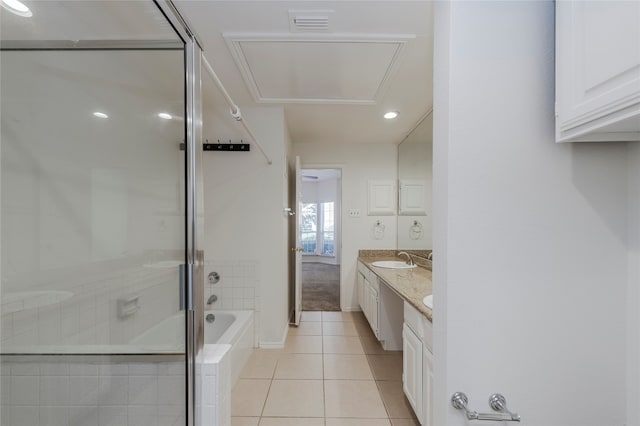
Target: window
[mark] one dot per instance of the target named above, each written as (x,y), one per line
(317,232)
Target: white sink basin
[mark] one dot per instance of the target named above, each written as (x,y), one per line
(393,264)
(428,301)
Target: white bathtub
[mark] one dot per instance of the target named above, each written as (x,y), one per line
(167,337)
(233,328)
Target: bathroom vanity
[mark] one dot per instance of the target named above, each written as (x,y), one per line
(392,301)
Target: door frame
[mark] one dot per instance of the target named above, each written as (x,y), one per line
(338,243)
(193,288)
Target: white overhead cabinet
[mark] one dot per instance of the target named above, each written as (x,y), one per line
(413,197)
(382,198)
(597,70)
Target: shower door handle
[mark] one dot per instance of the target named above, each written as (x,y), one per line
(186,287)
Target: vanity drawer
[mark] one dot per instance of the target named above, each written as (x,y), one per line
(414,319)
(419,324)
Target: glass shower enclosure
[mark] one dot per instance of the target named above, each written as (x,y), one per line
(98,215)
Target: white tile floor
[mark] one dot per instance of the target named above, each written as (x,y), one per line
(332,372)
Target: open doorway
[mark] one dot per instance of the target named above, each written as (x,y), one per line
(320,236)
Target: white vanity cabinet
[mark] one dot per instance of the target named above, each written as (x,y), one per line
(597,71)
(368,291)
(412,369)
(382,307)
(417,363)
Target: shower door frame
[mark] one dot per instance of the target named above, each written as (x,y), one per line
(193,294)
(192,289)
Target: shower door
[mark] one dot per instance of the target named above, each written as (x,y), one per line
(96,149)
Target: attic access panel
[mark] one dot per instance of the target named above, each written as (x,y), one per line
(331,70)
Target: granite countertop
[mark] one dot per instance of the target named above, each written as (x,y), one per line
(410,284)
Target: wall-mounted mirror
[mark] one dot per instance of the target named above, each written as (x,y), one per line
(415,177)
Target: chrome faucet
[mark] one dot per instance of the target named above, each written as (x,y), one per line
(212,299)
(409,258)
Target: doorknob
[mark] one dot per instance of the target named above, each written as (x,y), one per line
(297,249)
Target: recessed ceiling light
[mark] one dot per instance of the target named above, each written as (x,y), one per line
(16,7)
(390,115)
(165,116)
(100,114)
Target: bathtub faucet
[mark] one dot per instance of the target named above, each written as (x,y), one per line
(212,299)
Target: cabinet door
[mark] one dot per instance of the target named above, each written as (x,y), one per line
(427,387)
(597,70)
(412,369)
(382,198)
(373,310)
(366,290)
(361,291)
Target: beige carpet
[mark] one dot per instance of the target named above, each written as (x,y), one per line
(320,287)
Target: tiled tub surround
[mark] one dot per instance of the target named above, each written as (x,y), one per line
(78,390)
(238,288)
(88,318)
(126,390)
(410,284)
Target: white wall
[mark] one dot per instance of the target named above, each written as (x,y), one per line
(633,289)
(244,218)
(359,163)
(530,248)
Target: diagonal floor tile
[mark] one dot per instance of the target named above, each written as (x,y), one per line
(342,345)
(291,421)
(306,328)
(261,364)
(311,316)
(245,421)
(299,366)
(386,367)
(295,398)
(395,402)
(357,422)
(337,316)
(248,397)
(339,329)
(346,367)
(303,344)
(353,398)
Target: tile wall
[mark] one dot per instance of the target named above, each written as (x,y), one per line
(238,288)
(90,315)
(82,391)
(216,385)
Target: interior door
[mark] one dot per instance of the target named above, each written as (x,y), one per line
(298,246)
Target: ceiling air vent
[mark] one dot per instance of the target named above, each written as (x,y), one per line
(309,20)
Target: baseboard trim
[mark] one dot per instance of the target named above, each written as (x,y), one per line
(350,309)
(275,344)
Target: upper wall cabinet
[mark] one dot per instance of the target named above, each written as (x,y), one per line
(413,197)
(382,198)
(597,70)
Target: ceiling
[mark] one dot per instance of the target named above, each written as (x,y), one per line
(334,83)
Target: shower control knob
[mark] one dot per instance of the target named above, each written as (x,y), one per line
(213,277)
